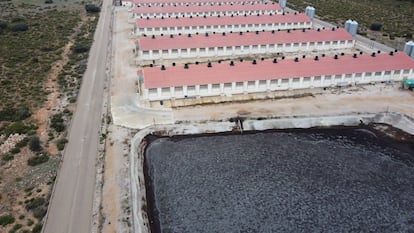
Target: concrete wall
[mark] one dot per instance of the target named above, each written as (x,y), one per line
(209,13)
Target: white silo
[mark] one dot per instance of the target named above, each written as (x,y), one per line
(353,28)
(310,11)
(409,48)
(282,3)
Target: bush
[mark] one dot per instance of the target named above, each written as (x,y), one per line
(17,127)
(57,122)
(7,157)
(6,219)
(35,203)
(37,159)
(39,212)
(15,114)
(19,27)
(375,26)
(3,24)
(91,8)
(15,228)
(80,48)
(37,228)
(48,1)
(34,144)
(60,144)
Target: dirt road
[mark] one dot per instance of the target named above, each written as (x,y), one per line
(70,209)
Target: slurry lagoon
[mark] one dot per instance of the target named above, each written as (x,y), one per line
(316,180)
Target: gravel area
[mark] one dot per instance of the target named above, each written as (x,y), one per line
(320,180)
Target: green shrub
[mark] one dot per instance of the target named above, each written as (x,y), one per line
(19,27)
(15,228)
(34,144)
(14,114)
(7,157)
(37,228)
(91,8)
(3,24)
(22,143)
(6,219)
(48,1)
(39,212)
(29,222)
(375,26)
(35,203)
(57,122)
(15,150)
(37,159)
(60,144)
(17,127)
(80,48)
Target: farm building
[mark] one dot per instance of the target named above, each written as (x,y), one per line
(189,2)
(208,24)
(240,44)
(264,76)
(208,10)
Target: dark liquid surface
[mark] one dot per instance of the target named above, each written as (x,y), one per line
(318,180)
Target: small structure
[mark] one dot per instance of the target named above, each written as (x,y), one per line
(351,26)
(239,44)
(247,77)
(190,2)
(206,10)
(409,48)
(282,3)
(310,12)
(229,23)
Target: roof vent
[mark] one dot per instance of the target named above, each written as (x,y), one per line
(379,51)
(206,34)
(333,29)
(318,29)
(295,13)
(241,33)
(214,32)
(176,16)
(163,67)
(191,16)
(254,62)
(323,55)
(304,56)
(283,13)
(204,16)
(231,63)
(257,32)
(342,54)
(258,14)
(231,31)
(224,33)
(241,59)
(151,65)
(274,60)
(288,31)
(245,14)
(396,50)
(162,34)
(303,29)
(173,64)
(360,52)
(162,17)
(283,57)
(296,59)
(316,58)
(336,56)
(145,35)
(189,35)
(218,16)
(197,62)
(392,53)
(196,33)
(262,59)
(355,55)
(209,65)
(219,61)
(231,15)
(147,17)
(323,28)
(153,37)
(278,29)
(186,66)
(373,54)
(273,31)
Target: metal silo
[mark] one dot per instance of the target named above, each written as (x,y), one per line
(310,12)
(347,24)
(353,28)
(282,3)
(409,48)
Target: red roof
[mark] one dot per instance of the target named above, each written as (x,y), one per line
(222,20)
(264,70)
(235,39)
(207,8)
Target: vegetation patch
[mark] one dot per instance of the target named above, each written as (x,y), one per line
(38,159)
(6,219)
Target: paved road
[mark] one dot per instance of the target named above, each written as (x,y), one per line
(70,210)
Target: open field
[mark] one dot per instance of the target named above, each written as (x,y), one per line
(396,16)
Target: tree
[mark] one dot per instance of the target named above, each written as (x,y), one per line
(34,144)
(19,27)
(3,24)
(375,26)
(91,8)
